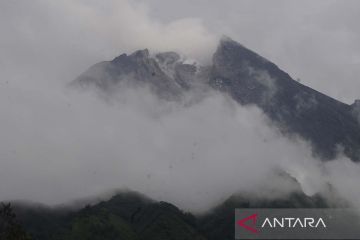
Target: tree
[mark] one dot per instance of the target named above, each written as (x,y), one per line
(10,229)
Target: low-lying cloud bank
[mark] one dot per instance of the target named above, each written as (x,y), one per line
(58,146)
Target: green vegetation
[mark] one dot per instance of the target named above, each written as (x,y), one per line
(131,216)
(10,229)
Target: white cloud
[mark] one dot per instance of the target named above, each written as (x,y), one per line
(60,146)
(63,38)
(316,41)
(56,146)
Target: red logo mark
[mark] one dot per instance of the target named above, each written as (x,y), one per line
(241,223)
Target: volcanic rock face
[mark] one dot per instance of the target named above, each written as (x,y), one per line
(355,107)
(165,73)
(250,79)
(182,73)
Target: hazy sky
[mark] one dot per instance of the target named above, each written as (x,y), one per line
(57,146)
(316,41)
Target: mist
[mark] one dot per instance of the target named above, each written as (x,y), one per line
(58,145)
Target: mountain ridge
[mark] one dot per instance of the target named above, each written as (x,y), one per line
(328,124)
(133,216)
(296,108)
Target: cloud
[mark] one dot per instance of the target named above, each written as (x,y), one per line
(62,146)
(313,41)
(57,146)
(62,38)
(316,41)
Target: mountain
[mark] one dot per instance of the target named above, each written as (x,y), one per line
(218,224)
(355,108)
(295,108)
(127,216)
(249,79)
(329,125)
(164,73)
(131,216)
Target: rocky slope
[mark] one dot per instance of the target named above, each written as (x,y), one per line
(250,79)
(328,124)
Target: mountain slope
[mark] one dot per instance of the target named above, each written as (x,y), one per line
(130,216)
(329,125)
(251,79)
(165,73)
(218,224)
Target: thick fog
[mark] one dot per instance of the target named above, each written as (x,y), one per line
(61,145)
(58,145)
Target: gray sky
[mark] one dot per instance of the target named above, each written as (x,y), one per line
(314,40)
(57,146)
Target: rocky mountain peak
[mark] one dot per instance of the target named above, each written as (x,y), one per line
(228,43)
(355,107)
(295,108)
(356,103)
(249,79)
(227,47)
(140,54)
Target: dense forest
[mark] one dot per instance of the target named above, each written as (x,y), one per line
(132,216)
